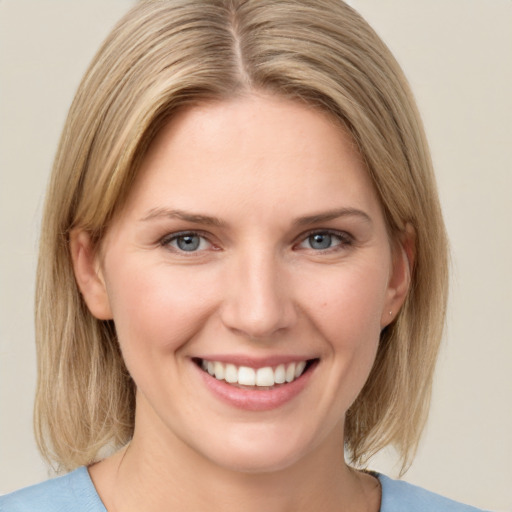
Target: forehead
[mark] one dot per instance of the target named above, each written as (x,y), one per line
(253,150)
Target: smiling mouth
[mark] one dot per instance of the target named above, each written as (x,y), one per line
(267,377)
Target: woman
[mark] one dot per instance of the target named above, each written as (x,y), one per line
(242,268)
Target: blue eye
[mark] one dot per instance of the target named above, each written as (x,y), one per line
(320,241)
(325,240)
(186,242)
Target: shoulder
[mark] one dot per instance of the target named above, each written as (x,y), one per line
(73,492)
(399,496)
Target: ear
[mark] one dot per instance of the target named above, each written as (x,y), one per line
(400,276)
(89,275)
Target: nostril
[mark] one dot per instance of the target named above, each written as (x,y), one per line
(257,323)
(257,303)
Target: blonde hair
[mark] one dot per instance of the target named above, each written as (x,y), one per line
(164,55)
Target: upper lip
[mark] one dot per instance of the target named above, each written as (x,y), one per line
(255,362)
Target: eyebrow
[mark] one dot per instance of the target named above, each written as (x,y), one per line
(196,218)
(332,215)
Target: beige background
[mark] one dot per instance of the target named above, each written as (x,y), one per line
(458,57)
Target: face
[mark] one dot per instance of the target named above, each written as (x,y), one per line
(249,276)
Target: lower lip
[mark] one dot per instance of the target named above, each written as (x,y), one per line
(257,399)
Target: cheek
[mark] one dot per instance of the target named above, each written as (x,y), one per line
(157,309)
(346,304)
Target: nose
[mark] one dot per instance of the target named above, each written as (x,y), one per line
(258,297)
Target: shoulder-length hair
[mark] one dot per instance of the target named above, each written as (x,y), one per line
(167,54)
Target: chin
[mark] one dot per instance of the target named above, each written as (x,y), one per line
(259,450)
(254,461)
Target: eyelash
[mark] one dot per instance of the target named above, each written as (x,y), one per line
(345,240)
(167,240)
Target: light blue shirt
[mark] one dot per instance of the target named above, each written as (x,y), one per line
(75,492)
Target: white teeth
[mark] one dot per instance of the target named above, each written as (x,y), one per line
(247,376)
(265,376)
(290,372)
(231,374)
(299,368)
(219,370)
(280,374)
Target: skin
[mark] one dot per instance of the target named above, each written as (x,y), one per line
(256,286)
